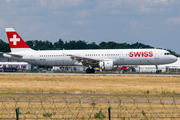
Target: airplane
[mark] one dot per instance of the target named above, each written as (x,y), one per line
(105,59)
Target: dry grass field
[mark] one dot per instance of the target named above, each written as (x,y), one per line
(142,108)
(90,84)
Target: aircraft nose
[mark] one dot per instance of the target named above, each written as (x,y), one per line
(174,59)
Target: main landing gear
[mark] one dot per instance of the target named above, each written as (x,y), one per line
(88,70)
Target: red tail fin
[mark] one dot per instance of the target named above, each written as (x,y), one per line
(15,41)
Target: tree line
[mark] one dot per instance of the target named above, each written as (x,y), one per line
(80,44)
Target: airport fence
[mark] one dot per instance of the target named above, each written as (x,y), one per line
(87,107)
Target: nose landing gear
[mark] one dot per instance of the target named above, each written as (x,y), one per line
(157,71)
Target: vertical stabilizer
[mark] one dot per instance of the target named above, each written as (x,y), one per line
(16,43)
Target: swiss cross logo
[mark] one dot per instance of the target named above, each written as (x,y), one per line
(15,40)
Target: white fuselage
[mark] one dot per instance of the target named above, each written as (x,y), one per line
(118,56)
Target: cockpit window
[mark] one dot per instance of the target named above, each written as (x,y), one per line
(167,53)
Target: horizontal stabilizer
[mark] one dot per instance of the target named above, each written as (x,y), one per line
(13,55)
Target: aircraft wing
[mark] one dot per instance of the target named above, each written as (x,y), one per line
(84,60)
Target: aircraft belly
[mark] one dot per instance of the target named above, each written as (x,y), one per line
(144,61)
(52,62)
(129,61)
(138,61)
(63,62)
(39,61)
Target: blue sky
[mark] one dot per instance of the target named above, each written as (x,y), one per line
(152,22)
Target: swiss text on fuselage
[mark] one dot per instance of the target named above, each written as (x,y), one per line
(141,54)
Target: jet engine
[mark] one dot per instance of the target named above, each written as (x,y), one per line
(106,65)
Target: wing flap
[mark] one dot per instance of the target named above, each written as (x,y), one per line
(84,60)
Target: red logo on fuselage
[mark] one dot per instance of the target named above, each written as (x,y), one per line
(141,54)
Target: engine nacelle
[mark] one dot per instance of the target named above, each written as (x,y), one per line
(106,65)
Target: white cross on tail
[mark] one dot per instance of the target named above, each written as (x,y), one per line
(14,40)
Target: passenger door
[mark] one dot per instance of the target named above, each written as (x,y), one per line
(121,57)
(32,57)
(156,54)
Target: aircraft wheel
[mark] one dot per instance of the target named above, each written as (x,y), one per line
(92,71)
(87,70)
(157,72)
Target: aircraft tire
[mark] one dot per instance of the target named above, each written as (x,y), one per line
(92,71)
(157,72)
(88,70)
